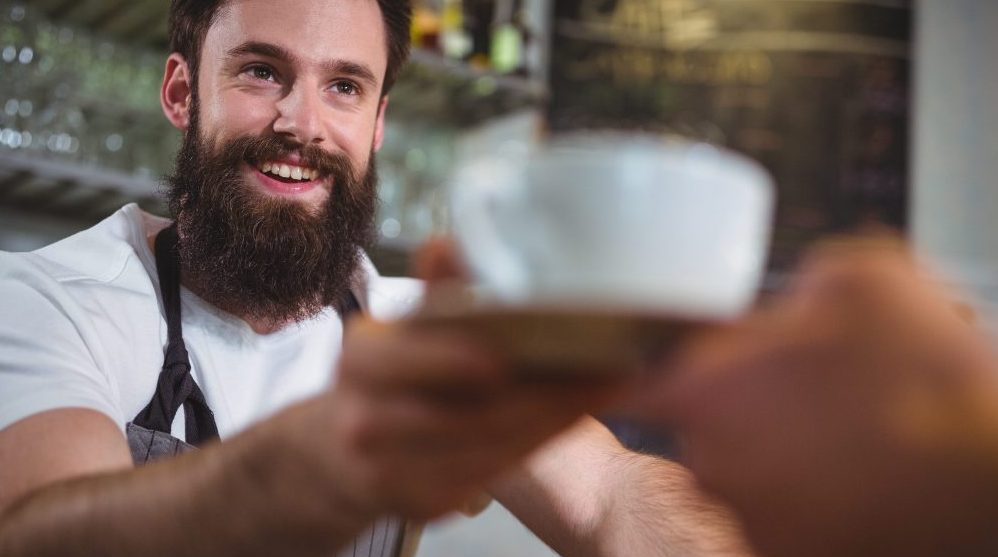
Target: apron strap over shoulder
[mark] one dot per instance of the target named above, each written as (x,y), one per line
(176,386)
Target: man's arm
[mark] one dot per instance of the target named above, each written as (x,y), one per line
(416,424)
(70,489)
(586,495)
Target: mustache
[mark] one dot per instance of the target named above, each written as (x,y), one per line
(261,149)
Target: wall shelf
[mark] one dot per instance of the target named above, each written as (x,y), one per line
(449,92)
(67,189)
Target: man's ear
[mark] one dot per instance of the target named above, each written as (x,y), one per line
(379,124)
(175,94)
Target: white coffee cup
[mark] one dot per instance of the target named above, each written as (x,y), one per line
(634,223)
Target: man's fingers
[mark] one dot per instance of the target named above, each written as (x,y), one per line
(446,278)
(393,357)
(437,261)
(454,455)
(424,422)
(476,464)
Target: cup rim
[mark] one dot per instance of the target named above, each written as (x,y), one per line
(671,151)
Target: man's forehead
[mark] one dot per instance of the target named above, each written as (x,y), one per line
(312,30)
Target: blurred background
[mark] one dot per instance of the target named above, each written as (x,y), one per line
(82,133)
(867,112)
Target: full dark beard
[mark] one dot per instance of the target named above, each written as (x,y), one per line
(262,257)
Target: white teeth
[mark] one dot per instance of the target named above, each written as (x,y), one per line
(288,171)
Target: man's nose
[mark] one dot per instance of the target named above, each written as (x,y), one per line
(298,115)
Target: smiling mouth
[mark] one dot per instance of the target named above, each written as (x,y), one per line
(289,174)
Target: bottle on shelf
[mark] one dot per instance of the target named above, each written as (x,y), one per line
(425,28)
(478,18)
(507,50)
(454,39)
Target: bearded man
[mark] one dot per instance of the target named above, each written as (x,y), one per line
(129,350)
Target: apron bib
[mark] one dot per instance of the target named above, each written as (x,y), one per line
(149,435)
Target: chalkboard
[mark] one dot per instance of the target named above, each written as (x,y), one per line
(818,92)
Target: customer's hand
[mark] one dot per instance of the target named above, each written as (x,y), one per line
(857,415)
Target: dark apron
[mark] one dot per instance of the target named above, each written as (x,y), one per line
(149,432)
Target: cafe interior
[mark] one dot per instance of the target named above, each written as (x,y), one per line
(862,114)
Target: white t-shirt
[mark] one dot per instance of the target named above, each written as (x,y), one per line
(82,326)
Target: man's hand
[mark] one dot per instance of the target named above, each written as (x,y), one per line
(421,420)
(858,415)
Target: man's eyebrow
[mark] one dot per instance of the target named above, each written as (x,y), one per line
(344,67)
(262,49)
(352,69)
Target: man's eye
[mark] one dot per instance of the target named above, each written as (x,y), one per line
(346,88)
(262,72)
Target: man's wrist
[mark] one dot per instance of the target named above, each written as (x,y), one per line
(289,479)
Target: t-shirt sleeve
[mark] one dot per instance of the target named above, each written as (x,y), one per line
(46,361)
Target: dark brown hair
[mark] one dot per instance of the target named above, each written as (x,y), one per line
(191,19)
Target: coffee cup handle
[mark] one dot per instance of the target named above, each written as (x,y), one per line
(479,192)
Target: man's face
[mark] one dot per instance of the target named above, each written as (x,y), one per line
(310,71)
(274,186)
